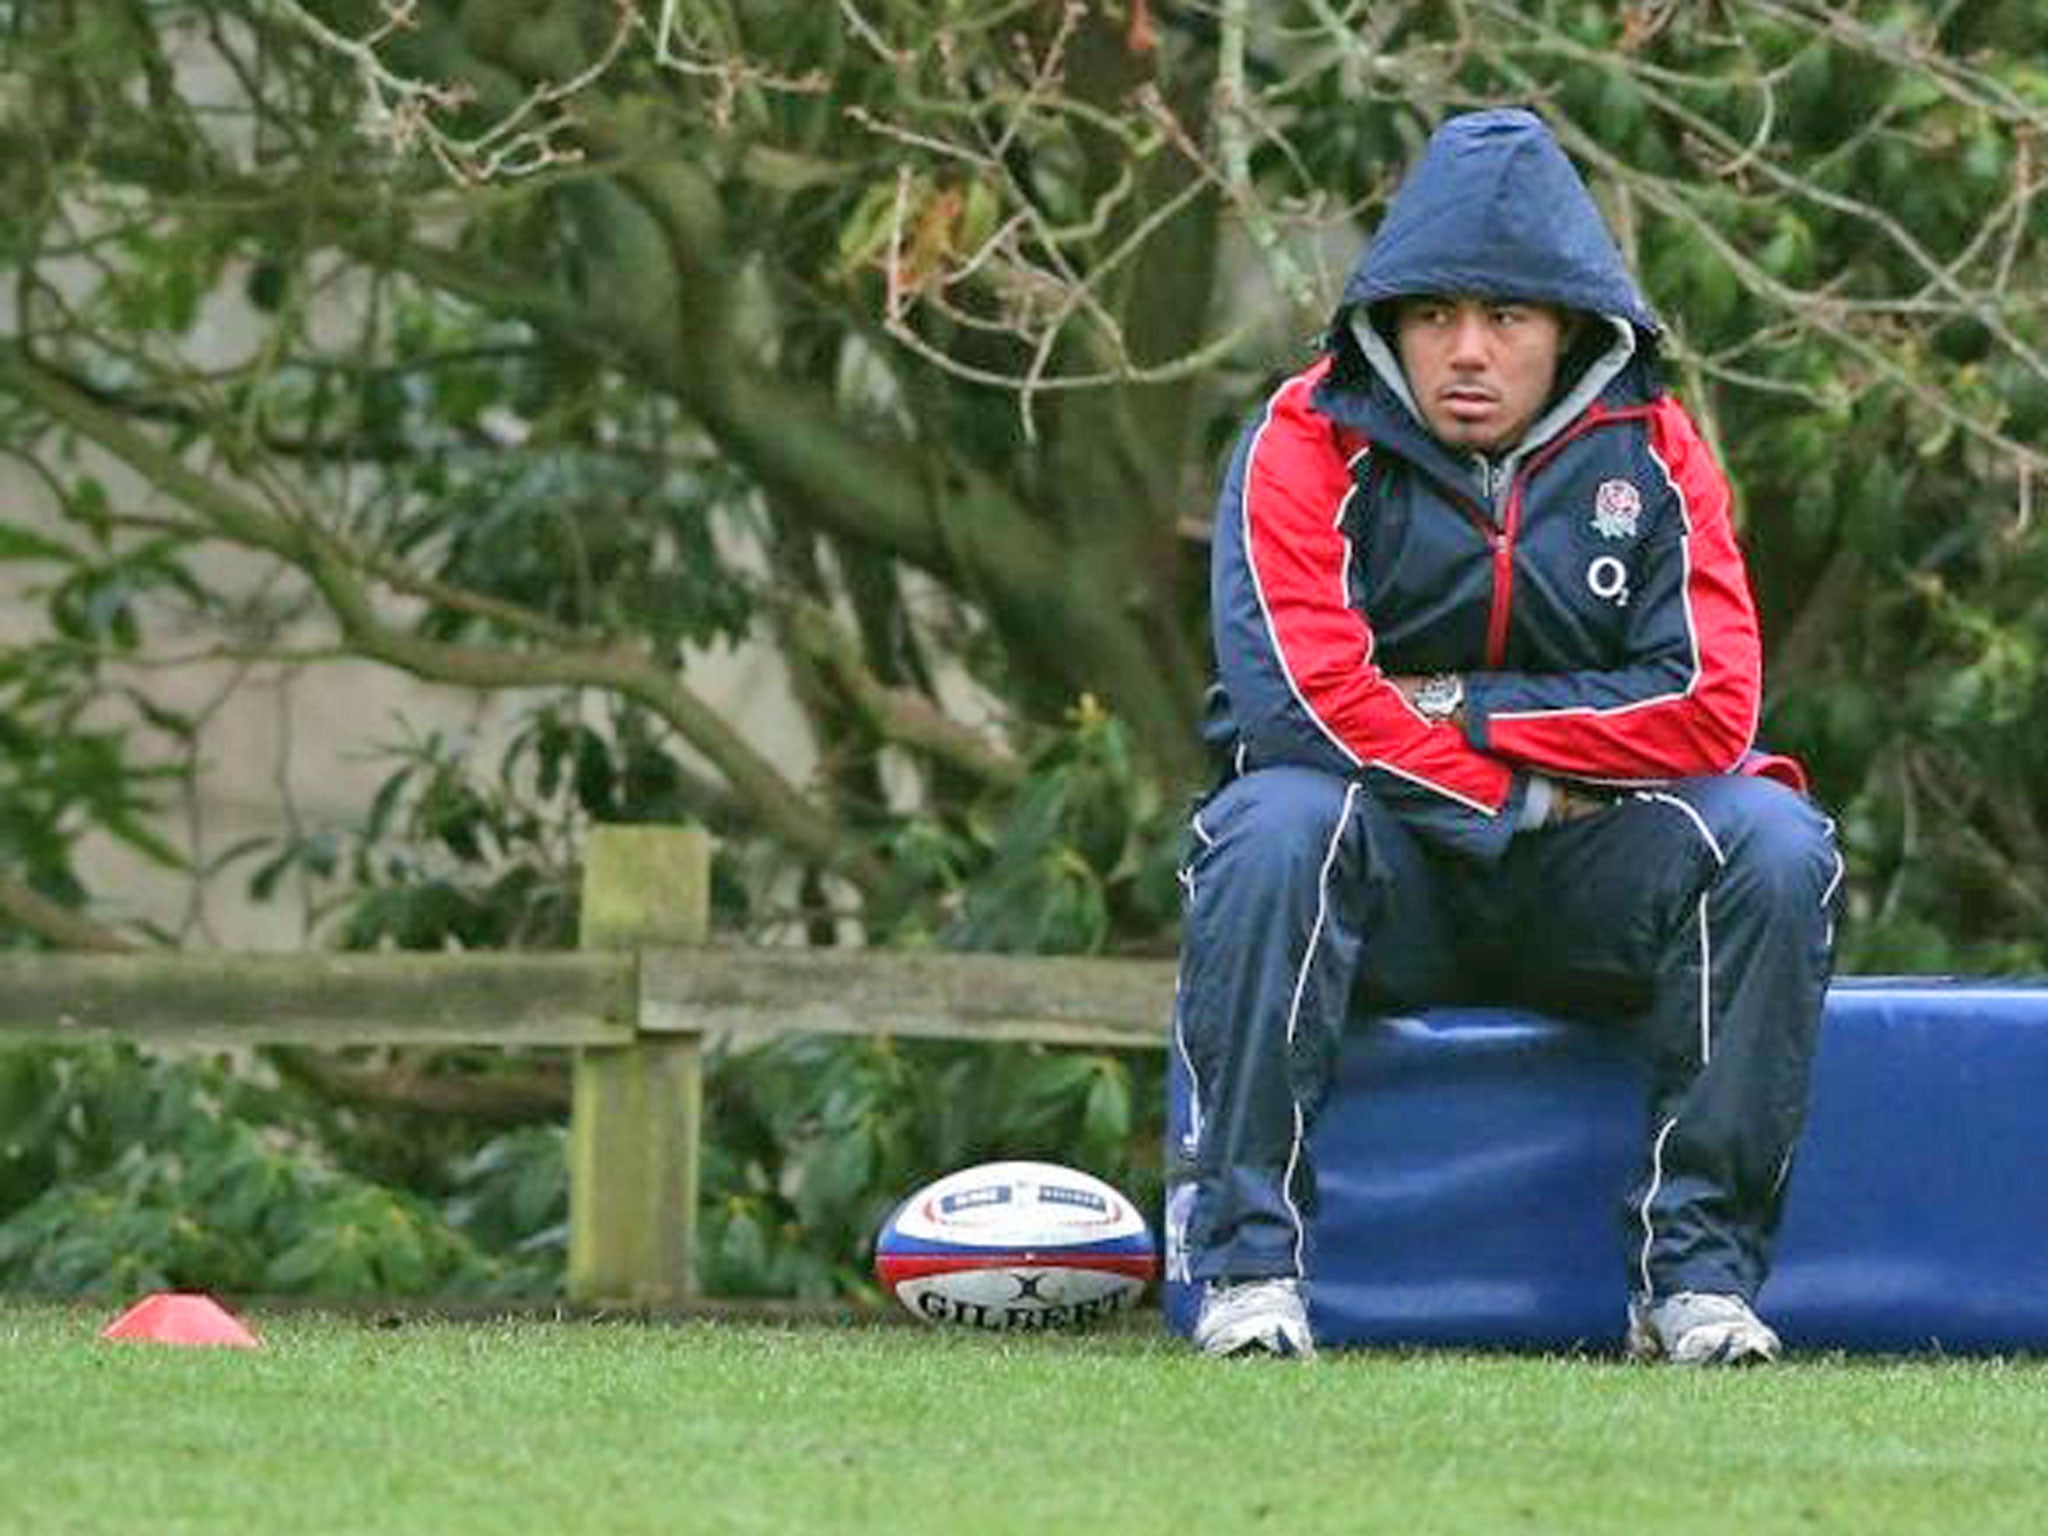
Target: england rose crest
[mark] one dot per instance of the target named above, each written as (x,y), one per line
(1616,507)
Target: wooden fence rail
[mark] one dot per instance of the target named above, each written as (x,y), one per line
(637,1005)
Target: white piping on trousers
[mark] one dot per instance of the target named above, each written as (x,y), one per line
(1698,820)
(1706,943)
(1191,1139)
(1287,1194)
(1180,1042)
(1827,896)
(1706,1019)
(1180,1039)
(1186,872)
(1656,1183)
(1315,935)
(1706,986)
(1784,1172)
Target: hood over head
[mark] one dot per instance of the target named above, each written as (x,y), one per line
(1494,208)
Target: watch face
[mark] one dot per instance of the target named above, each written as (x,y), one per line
(1440,696)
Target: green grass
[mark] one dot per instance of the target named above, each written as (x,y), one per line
(562,1428)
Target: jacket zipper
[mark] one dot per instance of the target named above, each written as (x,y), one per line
(1502,539)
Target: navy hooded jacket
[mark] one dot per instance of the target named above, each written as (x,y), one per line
(1587,584)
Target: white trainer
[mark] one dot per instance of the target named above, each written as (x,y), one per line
(1699,1328)
(1255,1317)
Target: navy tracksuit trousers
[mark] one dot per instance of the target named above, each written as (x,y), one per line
(1701,914)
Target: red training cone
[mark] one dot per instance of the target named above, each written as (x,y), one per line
(172,1317)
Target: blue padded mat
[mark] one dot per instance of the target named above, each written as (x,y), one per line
(1474,1163)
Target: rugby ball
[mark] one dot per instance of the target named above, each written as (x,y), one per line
(1016,1245)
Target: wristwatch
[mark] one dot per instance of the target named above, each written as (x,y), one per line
(1441,696)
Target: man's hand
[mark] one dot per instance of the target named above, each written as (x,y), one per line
(1572,803)
(1550,802)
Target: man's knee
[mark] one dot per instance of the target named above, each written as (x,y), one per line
(1278,824)
(1772,841)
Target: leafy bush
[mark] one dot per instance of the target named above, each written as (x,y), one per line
(123,1174)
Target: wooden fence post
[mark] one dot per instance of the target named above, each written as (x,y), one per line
(637,1109)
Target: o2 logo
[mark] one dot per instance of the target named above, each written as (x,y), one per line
(1607,579)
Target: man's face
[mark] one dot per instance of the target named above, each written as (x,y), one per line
(1480,369)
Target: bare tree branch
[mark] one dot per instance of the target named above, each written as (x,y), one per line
(407,112)
(900,715)
(407,1084)
(338,573)
(1232,117)
(59,925)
